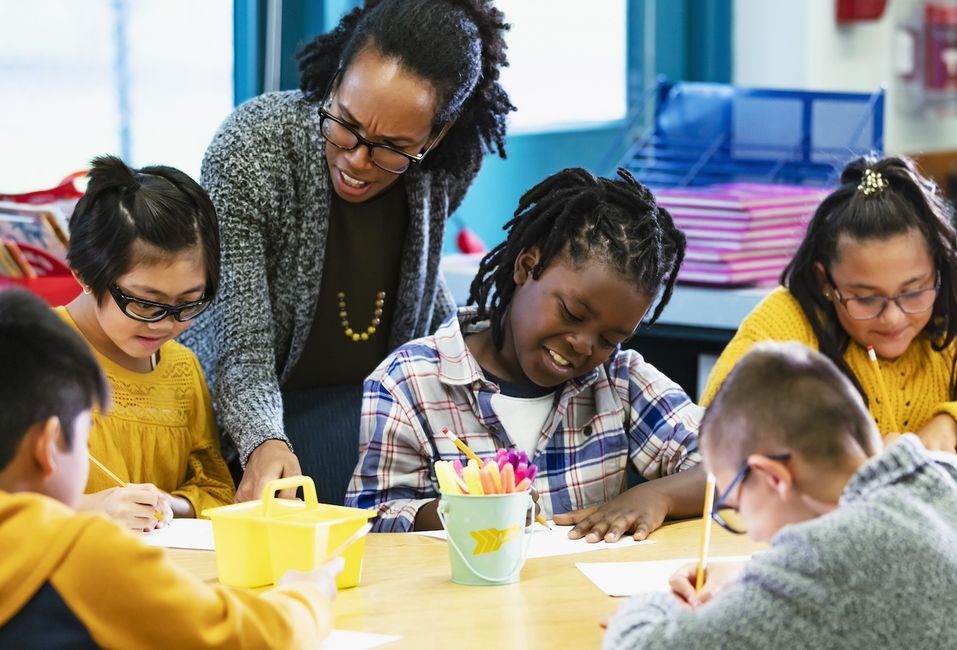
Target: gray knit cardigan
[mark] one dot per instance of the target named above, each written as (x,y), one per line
(266,173)
(878,572)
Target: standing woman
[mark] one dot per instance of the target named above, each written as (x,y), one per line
(332,203)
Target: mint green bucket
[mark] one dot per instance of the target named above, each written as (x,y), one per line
(487,535)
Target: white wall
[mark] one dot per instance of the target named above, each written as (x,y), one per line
(798,44)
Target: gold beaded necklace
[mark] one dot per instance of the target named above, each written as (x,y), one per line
(376,315)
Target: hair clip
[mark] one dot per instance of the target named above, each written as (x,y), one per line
(872,183)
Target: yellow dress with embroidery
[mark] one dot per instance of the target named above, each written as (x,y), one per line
(918,382)
(160,429)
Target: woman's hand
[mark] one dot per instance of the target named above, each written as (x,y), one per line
(138,506)
(638,512)
(939,433)
(717,576)
(270,460)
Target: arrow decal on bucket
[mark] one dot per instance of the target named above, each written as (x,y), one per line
(492,539)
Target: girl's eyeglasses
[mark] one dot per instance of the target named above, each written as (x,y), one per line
(147,311)
(728,517)
(909,302)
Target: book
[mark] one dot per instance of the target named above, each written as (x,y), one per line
(705,254)
(32,225)
(26,270)
(741,196)
(729,277)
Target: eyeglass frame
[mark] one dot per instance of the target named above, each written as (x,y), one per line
(885,299)
(123,300)
(412,158)
(739,479)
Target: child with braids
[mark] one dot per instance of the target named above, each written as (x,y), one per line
(877,269)
(538,366)
(145,247)
(398,106)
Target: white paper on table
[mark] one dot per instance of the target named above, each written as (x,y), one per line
(630,578)
(548,543)
(349,640)
(194,534)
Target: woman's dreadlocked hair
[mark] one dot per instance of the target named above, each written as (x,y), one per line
(906,200)
(616,222)
(456,45)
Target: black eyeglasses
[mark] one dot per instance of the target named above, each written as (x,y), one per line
(384,156)
(909,302)
(147,311)
(727,516)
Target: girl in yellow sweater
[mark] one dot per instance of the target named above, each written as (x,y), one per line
(877,269)
(145,246)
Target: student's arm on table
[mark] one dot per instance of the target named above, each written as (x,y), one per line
(662,427)
(393,473)
(208,482)
(246,386)
(939,433)
(129,595)
(135,506)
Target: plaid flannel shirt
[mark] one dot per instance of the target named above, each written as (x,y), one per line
(623,410)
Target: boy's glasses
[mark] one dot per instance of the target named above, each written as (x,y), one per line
(909,302)
(147,311)
(727,516)
(344,136)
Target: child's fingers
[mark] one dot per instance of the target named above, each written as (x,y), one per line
(682,584)
(578,518)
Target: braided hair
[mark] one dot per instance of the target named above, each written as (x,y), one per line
(908,200)
(456,45)
(614,221)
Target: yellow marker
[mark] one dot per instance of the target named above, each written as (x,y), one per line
(705,532)
(883,388)
(472,479)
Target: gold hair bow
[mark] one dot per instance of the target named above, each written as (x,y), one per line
(872,183)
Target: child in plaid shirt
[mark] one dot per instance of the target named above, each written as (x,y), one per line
(538,366)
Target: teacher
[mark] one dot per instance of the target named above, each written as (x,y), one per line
(332,203)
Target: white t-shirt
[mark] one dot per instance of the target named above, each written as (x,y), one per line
(523,418)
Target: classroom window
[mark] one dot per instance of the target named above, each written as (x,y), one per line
(149,80)
(567,63)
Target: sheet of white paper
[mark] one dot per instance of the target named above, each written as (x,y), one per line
(349,640)
(630,578)
(548,543)
(182,533)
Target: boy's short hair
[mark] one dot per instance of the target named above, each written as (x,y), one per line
(786,394)
(46,370)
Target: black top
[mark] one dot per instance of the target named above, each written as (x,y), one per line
(46,621)
(365,242)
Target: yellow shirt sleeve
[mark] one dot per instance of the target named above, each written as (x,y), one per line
(129,595)
(208,482)
(776,318)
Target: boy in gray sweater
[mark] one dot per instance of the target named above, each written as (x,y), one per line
(863,542)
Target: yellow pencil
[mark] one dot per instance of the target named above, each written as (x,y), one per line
(705,532)
(464,448)
(883,388)
(103,468)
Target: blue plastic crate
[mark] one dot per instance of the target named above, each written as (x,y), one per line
(705,133)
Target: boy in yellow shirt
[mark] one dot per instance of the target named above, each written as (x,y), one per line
(79,580)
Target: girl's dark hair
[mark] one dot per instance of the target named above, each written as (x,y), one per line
(613,221)
(158,205)
(909,200)
(456,45)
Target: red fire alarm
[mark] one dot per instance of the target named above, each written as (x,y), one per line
(852,11)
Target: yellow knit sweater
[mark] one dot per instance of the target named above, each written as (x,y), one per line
(160,429)
(918,382)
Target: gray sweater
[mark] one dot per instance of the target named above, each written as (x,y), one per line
(266,173)
(878,572)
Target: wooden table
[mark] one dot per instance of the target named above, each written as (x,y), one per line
(406,590)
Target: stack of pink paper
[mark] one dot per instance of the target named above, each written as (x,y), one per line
(740,233)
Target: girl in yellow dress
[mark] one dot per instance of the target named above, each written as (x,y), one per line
(145,247)
(876,271)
